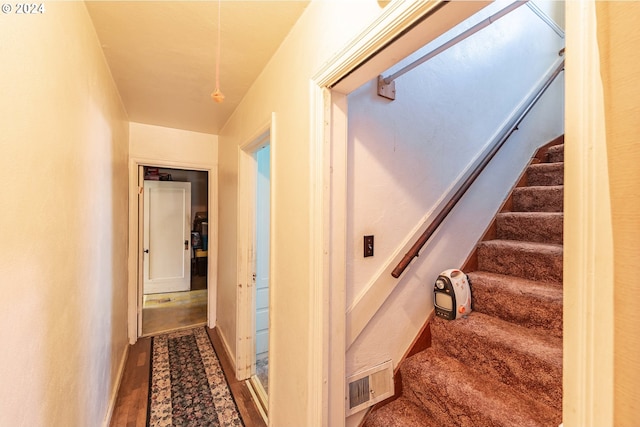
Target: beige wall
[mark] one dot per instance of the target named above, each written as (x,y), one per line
(167,145)
(283,88)
(619,40)
(63,220)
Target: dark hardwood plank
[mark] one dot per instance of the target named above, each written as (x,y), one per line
(131,404)
(239,389)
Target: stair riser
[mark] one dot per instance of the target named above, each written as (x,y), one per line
(539,229)
(528,310)
(541,266)
(538,199)
(545,174)
(523,371)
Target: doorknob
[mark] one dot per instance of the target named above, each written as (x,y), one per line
(146,251)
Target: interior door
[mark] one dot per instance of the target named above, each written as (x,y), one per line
(167,236)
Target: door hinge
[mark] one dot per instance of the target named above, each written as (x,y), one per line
(140,190)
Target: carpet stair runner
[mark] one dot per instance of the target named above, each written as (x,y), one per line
(501,365)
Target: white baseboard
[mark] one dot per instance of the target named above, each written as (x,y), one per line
(116,387)
(231,357)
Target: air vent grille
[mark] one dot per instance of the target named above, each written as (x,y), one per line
(359,392)
(369,387)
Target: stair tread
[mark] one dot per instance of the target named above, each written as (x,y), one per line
(538,198)
(528,360)
(543,227)
(539,188)
(554,248)
(532,214)
(543,290)
(508,335)
(530,260)
(504,296)
(545,174)
(401,412)
(466,397)
(547,165)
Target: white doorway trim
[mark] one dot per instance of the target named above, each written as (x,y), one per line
(135,248)
(245,313)
(588,349)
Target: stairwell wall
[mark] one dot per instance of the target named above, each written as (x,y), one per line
(404,156)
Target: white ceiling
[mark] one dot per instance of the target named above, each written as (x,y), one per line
(162,54)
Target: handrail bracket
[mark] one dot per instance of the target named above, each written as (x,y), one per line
(386,90)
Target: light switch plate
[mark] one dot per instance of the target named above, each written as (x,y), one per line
(368,246)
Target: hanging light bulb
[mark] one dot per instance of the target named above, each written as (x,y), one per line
(217,94)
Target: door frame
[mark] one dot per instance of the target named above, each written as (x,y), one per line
(245,313)
(135,285)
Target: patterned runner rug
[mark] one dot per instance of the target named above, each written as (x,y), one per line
(187,385)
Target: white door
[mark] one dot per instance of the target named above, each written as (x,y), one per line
(167,236)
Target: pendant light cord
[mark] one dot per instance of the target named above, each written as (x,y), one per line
(217,95)
(218,50)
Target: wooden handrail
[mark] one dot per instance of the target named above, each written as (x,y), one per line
(506,132)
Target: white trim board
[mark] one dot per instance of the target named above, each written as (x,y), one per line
(588,365)
(116,387)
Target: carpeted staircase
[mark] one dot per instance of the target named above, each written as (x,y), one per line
(502,365)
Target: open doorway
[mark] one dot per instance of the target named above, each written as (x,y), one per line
(254,263)
(174,235)
(262,238)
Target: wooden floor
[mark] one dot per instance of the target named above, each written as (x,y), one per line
(133,396)
(174,310)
